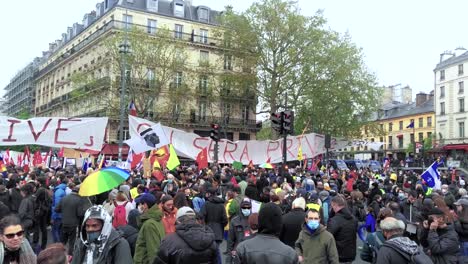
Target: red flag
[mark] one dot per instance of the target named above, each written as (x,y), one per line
(251,165)
(60,153)
(202,159)
(268,160)
(132,109)
(234,181)
(47,156)
(136,158)
(162,154)
(19,160)
(37,158)
(157,173)
(26,159)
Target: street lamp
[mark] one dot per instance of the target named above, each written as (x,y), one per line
(124,49)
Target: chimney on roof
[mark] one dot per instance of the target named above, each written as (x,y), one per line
(421,98)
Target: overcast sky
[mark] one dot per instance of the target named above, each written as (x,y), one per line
(401,39)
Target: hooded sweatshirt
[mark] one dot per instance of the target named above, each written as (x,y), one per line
(150,236)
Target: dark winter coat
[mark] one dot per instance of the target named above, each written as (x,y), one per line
(150,235)
(252,192)
(265,248)
(316,246)
(4,210)
(191,243)
(343,226)
(406,207)
(116,251)
(72,207)
(130,234)
(238,226)
(15,200)
(443,245)
(214,215)
(389,255)
(292,226)
(461,226)
(26,212)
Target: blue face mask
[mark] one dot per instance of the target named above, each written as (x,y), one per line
(313,224)
(93,236)
(246,212)
(401,196)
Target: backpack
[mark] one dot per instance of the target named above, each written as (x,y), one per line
(42,205)
(120,215)
(416,258)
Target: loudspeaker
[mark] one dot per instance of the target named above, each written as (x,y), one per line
(327,141)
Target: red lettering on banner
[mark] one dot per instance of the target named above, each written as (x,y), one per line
(289,144)
(37,135)
(140,125)
(229,152)
(10,133)
(272,149)
(246,152)
(211,150)
(59,128)
(200,147)
(91,138)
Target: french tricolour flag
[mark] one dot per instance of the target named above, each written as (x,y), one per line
(432,176)
(132,109)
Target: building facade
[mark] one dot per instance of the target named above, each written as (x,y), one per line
(451,114)
(82,51)
(20,92)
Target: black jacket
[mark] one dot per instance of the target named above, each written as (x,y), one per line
(343,226)
(130,233)
(443,245)
(4,210)
(15,200)
(461,226)
(264,248)
(26,212)
(292,226)
(5,197)
(237,228)
(73,208)
(191,243)
(397,250)
(214,215)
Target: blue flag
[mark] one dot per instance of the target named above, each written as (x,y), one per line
(432,176)
(411,125)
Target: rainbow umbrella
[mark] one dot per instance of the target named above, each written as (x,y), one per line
(266,165)
(103,180)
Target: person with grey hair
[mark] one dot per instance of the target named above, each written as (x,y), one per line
(397,248)
(191,243)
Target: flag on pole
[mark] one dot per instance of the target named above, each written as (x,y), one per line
(26,159)
(251,165)
(60,153)
(202,159)
(132,109)
(299,154)
(237,165)
(411,125)
(102,162)
(6,157)
(173,160)
(431,176)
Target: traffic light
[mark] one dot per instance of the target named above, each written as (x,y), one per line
(288,122)
(214,134)
(276,121)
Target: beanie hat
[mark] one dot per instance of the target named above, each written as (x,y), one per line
(270,219)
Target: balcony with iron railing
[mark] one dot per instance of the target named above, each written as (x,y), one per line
(190,38)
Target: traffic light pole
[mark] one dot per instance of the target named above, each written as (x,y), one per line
(216,150)
(285,140)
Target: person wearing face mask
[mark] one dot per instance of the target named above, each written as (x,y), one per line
(239,228)
(315,244)
(449,198)
(151,229)
(99,242)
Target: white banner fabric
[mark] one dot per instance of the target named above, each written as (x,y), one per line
(77,133)
(189,145)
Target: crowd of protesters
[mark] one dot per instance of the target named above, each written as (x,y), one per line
(261,215)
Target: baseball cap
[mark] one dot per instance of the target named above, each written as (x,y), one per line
(146,198)
(183,211)
(462,201)
(435,211)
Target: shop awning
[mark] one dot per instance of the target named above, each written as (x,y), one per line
(456,147)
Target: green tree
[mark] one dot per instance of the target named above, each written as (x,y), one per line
(319,71)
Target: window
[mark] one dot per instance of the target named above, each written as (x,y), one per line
(204,57)
(227,62)
(401,125)
(460,69)
(202,110)
(178,31)
(381,127)
(227,112)
(429,121)
(442,91)
(203,85)
(179,9)
(390,126)
(128,21)
(461,87)
(390,143)
(461,103)
(429,134)
(178,79)
(442,75)
(461,129)
(203,15)
(151,26)
(204,36)
(245,112)
(442,108)
(150,76)
(421,122)
(420,137)
(411,137)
